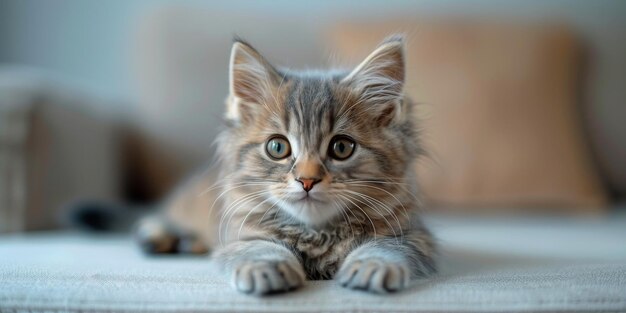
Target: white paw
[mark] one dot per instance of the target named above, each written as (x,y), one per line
(260,277)
(374,275)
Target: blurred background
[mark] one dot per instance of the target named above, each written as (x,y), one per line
(522,103)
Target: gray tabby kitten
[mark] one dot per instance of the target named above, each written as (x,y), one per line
(315,181)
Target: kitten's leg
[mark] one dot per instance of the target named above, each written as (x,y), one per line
(157,235)
(388,264)
(261,267)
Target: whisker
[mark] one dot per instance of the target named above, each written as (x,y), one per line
(406,186)
(378,212)
(252,210)
(234,207)
(345,207)
(279,200)
(344,215)
(364,213)
(383,206)
(227,191)
(387,192)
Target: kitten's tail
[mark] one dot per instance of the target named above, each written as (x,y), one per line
(96,216)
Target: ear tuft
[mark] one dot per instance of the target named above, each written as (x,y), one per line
(395,38)
(237,39)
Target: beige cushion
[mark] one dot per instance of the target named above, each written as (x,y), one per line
(498,109)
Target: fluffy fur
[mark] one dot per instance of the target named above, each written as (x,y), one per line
(358,223)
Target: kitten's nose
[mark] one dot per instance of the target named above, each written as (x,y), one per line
(308,183)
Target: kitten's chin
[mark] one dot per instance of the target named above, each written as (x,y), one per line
(310,211)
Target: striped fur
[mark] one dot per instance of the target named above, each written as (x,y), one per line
(359,224)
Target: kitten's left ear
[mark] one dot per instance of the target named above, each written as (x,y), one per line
(252,81)
(379,79)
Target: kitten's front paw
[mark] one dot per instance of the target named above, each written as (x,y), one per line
(260,277)
(374,275)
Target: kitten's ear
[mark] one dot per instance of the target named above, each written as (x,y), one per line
(252,81)
(379,79)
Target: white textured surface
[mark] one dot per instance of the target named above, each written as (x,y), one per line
(487,265)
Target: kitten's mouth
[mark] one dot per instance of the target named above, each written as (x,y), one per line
(308,197)
(310,208)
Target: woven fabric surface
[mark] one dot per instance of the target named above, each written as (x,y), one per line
(480,272)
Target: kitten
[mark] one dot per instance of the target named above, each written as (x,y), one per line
(315,180)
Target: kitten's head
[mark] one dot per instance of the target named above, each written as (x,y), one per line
(318,144)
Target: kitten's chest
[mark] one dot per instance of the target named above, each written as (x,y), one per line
(321,251)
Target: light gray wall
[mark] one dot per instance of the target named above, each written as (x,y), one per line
(88,43)
(83,42)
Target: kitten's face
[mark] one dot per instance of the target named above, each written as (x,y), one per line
(319,146)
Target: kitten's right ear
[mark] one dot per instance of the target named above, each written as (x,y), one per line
(252,81)
(379,79)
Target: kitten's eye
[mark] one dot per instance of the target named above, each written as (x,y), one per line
(341,147)
(278,147)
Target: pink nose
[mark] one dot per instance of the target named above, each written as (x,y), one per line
(308,183)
